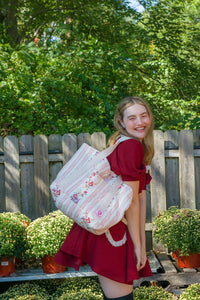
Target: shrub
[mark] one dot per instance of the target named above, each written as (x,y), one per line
(72,286)
(13,239)
(178,229)
(82,295)
(46,234)
(152,293)
(25,291)
(191,293)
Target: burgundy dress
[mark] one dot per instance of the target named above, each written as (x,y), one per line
(82,247)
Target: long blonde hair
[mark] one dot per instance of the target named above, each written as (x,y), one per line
(147,142)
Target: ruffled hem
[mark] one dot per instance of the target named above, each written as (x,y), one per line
(117,263)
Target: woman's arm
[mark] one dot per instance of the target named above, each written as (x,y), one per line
(132,216)
(142,201)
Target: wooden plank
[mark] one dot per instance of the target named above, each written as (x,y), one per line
(69,146)
(55,144)
(12,174)
(38,274)
(176,279)
(41,175)
(186,176)
(83,138)
(166,263)
(52,158)
(27,179)
(172,169)
(98,140)
(2,181)
(196,135)
(158,190)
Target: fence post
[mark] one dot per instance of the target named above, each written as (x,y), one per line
(27,178)
(41,175)
(186,177)
(69,146)
(98,140)
(172,169)
(196,134)
(12,174)
(158,191)
(2,179)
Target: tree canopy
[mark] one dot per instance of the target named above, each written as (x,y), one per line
(66,64)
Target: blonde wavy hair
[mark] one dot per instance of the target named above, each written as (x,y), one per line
(147,142)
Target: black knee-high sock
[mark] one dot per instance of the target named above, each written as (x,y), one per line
(127,297)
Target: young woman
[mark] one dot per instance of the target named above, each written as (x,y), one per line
(118,266)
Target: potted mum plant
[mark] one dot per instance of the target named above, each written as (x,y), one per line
(152,293)
(192,292)
(179,230)
(13,242)
(45,236)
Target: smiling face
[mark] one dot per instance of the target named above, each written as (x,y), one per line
(136,121)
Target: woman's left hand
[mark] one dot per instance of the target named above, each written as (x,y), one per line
(143,257)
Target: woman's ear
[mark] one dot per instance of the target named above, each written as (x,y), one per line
(121,123)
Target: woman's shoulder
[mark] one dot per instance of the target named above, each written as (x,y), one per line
(131,145)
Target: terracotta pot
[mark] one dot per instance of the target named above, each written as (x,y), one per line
(191,261)
(50,266)
(7,266)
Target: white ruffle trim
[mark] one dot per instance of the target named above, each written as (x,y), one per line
(115,243)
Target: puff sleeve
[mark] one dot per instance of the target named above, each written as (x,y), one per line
(126,160)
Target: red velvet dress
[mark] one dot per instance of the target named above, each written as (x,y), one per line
(82,247)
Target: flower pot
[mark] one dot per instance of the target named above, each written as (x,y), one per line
(50,266)
(191,261)
(7,266)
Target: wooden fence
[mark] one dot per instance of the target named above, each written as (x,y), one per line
(29,164)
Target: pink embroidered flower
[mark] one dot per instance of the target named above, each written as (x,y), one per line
(90,183)
(75,199)
(58,192)
(99,213)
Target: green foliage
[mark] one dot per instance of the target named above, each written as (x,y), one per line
(178,229)
(89,55)
(25,291)
(192,292)
(152,293)
(45,235)
(75,288)
(70,288)
(80,296)
(13,240)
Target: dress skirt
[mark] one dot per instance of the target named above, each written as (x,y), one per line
(116,263)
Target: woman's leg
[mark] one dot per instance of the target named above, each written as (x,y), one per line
(113,289)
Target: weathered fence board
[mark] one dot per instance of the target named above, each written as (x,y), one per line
(27,178)
(2,179)
(55,144)
(41,175)
(12,174)
(172,169)
(158,190)
(197,166)
(187,181)
(29,164)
